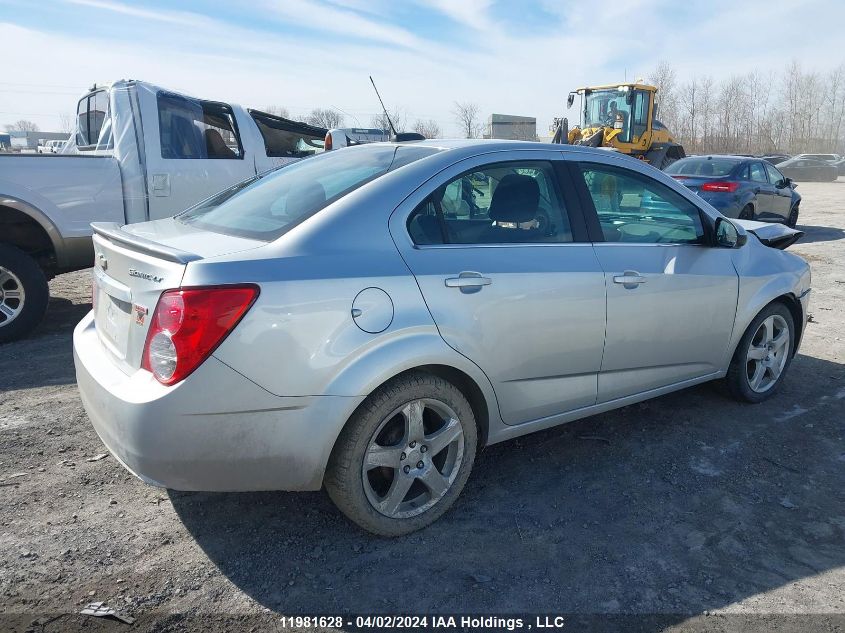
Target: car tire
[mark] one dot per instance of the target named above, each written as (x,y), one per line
(747,213)
(792,220)
(379,498)
(760,363)
(23,293)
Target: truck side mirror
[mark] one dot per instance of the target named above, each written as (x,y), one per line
(570,100)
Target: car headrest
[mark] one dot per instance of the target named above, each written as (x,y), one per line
(215,146)
(516,199)
(425,229)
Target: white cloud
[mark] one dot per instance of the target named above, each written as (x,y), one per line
(325,58)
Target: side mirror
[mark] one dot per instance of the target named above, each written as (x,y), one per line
(787,182)
(728,236)
(570,99)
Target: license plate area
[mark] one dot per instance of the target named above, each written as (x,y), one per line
(112,318)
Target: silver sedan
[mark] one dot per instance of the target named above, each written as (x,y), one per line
(368,319)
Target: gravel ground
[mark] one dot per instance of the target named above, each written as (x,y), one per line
(684,505)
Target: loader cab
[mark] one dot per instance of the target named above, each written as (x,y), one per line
(628,108)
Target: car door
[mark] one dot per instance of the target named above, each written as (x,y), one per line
(782,200)
(671,298)
(510,279)
(763,189)
(193,151)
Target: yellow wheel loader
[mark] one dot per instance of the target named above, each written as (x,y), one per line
(622,117)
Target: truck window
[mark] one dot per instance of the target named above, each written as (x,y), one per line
(193,129)
(91,112)
(286,138)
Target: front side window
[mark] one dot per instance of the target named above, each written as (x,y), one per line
(775,176)
(641,103)
(265,207)
(634,208)
(193,129)
(502,203)
(285,138)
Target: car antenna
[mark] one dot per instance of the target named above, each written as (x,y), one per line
(386,115)
(394,135)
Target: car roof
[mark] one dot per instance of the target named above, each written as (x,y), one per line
(729,156)
(492,145)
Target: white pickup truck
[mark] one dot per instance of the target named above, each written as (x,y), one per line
(139,153)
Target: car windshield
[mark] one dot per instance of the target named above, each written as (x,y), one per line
(708,167)
(265,207)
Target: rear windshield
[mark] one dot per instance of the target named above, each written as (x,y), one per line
(702,167)
(267,206)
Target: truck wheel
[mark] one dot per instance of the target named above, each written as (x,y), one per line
(667,160)
(23,293)
(404,456)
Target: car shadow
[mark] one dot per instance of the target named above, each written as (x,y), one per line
(819,233)
(678,505)
(45,357)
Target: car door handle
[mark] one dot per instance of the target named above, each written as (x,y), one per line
(630,278)
(468,279)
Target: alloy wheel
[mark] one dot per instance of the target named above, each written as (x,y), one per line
(413,458)
(12,296)
(767,354)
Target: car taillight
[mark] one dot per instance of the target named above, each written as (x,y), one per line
(721,186)
(188,325)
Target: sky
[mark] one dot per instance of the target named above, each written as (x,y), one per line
(508,56)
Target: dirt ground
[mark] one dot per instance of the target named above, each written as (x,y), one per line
(682,506)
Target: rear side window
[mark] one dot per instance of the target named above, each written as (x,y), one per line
(92,112)
(758,174)
(267,206)
(705,167)
(193,129)
(636,209)
(285,138)
(502,203)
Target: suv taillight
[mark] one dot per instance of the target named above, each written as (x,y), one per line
(189,324)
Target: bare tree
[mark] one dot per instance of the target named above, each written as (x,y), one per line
(664,79)
(66,123)
(397,115)
(278,111)
(429,129)
(23,126)
(325,117)
(466,116)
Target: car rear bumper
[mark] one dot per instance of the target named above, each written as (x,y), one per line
(214,431)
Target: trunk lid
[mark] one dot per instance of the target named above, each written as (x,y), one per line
(693,183)
(133,266)
(771,234)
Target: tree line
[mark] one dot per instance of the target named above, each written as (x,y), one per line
(332,118)
(793,110)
